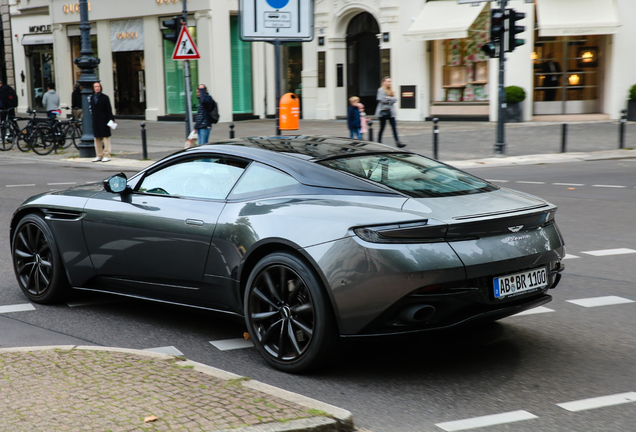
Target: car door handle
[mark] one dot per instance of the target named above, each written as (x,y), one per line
(195,222)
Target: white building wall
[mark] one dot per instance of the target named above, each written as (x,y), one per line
(621,69)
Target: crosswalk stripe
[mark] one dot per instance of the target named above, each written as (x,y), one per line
(17,308)
(537,310)
(598,402)
(568,184)
(231,344)
(489,420)
(606,252)
(600,301)
(169,350)
(610,186)
(529,182)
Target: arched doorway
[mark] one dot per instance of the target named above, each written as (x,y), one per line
(363,60)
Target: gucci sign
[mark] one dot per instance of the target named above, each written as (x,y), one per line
(72,8)
(127,35)
(166,1)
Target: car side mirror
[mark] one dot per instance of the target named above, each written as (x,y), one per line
(117,183)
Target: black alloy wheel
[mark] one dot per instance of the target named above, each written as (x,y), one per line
(287,314)
(36,261)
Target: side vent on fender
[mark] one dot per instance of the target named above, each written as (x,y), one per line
(67,215)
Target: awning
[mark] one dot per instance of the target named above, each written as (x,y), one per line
(37,39)
(443,20)
(577,17)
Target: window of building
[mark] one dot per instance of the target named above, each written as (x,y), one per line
(321,69)
(76,47)
(242,98)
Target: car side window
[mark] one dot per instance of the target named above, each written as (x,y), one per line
(207,178)
(261,179)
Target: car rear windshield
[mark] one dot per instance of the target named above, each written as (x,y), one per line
(411,174)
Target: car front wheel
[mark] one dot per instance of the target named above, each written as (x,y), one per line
(36,261)
(287,314)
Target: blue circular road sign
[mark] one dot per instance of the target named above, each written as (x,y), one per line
(277,4)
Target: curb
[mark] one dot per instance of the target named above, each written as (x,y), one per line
(336,419)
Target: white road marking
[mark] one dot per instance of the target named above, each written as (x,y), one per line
(600,301)
(610,186)
(230,344)
(529,182)
(489,420)
(21,185)
(537,310)
(568,184)
(497,181)
(606,252)
(568,256)
(598,402)
(61,183)
(170,350)
(17,308)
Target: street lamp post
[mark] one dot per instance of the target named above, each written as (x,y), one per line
(87,64)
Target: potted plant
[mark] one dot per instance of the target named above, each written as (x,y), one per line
(514,109)
(631,104)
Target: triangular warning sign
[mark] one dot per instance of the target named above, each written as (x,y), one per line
(185,49)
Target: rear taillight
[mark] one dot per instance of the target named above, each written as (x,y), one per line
(423,231)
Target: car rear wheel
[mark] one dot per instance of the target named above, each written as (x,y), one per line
(287,314)
(36,261)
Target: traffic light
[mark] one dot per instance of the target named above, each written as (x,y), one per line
(497,24)
(174,27)
(490,49)
(514,29)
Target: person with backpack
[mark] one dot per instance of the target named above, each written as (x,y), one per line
(207,114)
(8,101)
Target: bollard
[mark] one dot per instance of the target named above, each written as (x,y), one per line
(144,146)
(621,129)
(231,130)
(435,138)
(370,126)
(564,136)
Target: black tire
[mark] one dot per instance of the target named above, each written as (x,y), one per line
(37,262)
(67,140)
(43,142)
(76,135)
(288,316)
(8,137)
(24,143)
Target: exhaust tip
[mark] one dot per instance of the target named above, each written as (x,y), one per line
(417,313)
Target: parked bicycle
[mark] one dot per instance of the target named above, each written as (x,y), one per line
(56,134)
(10,131)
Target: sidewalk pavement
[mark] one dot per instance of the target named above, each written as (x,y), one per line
(73,388)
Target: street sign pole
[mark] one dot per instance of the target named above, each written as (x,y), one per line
(186,73)
(500,145)
(277,78)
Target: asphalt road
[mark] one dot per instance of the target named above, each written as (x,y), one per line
(523,365)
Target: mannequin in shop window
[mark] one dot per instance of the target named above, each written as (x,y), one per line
(552,73)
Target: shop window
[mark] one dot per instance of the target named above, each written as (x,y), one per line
(174,78)
(321,69)
(385,59)
(242,99)
(464,66)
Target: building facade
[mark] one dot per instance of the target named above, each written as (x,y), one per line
(575,59)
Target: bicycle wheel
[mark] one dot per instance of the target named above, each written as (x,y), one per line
(66,139)
(76,134)
(26,136)
(43,141)
(8,137)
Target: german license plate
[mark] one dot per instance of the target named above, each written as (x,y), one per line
(520,282)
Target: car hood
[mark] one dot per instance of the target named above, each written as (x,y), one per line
(480,205)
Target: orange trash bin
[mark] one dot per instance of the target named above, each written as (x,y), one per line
(289,112)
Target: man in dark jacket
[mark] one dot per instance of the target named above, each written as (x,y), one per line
(8,100)
(102,113)
(76,102)
(203,123)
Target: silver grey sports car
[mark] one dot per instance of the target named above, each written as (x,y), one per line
(308,238)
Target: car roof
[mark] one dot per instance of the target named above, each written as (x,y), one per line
(297,155)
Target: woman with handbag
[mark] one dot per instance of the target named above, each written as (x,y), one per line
(386,109)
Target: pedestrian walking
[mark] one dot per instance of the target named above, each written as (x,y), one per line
(103,122)
(76,102)
(8,101)
(386,109)
(363,119)
(204,118)
(51,101)
(353,118)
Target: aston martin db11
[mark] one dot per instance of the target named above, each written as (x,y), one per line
(308,239)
